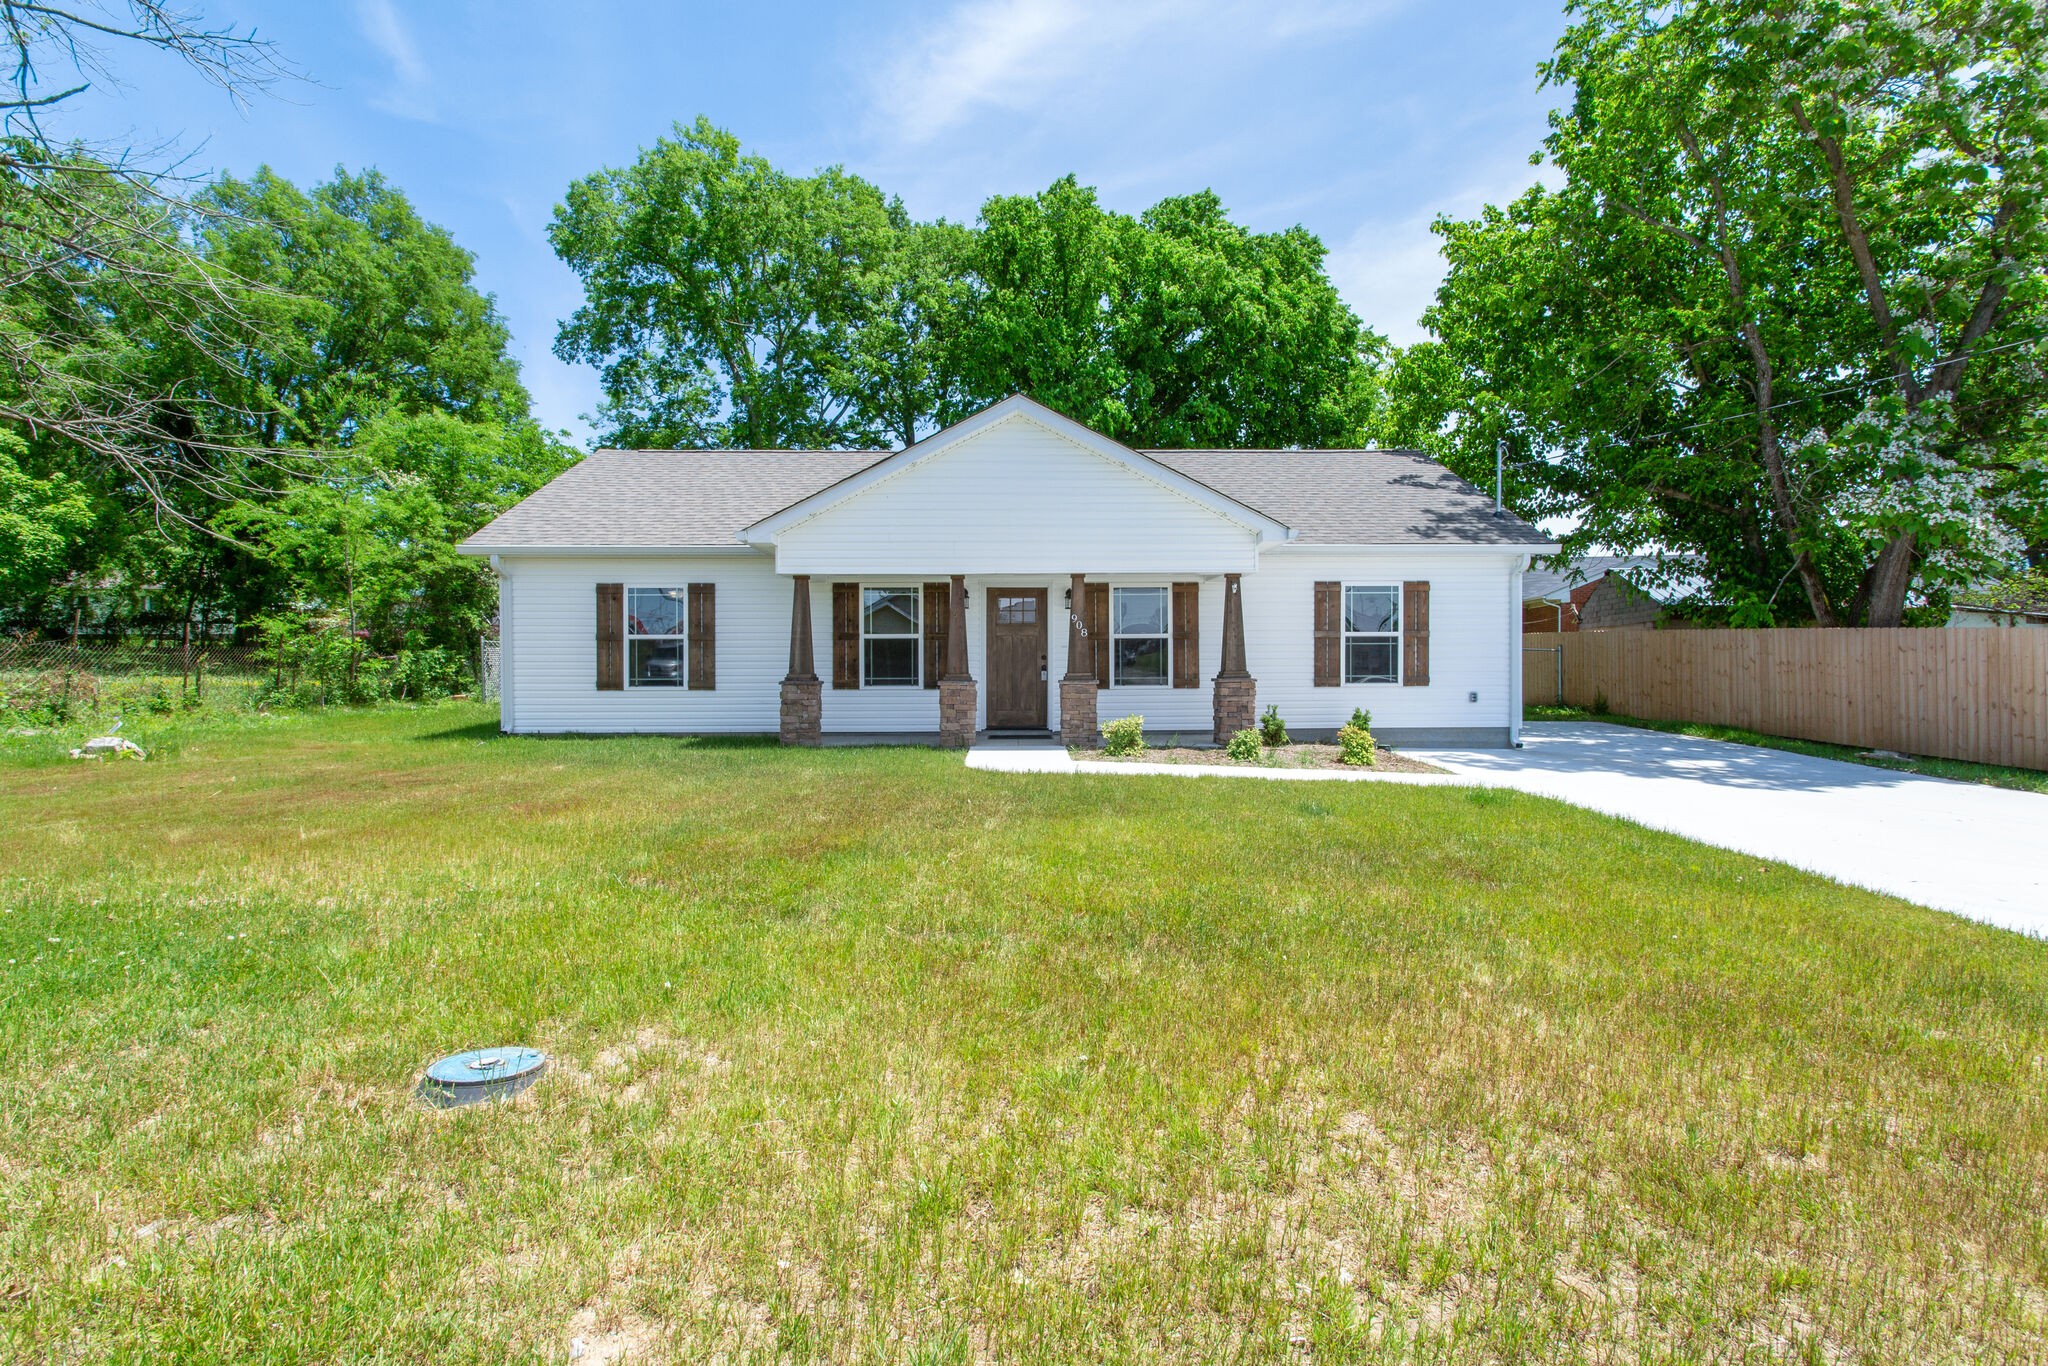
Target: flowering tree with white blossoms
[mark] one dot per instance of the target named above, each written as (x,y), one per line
(1786,312)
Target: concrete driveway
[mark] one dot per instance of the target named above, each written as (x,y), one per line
(1979,851)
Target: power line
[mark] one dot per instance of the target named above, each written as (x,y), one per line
(1859,387)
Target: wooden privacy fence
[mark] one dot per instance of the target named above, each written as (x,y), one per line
(1977,694)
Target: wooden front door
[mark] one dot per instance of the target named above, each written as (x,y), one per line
(1016,658)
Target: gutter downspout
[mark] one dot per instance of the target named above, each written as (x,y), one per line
(1520,563)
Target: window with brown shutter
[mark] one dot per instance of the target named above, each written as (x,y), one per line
(703,628)
(611,637)
(1098,630)
(936,603)
(846,635)
(1329,638)
(1415,634)
(1187,635)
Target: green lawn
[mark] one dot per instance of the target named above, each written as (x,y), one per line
(859,1055)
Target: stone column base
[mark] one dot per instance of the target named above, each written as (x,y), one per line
(803,713)
(956,712)
(1237,707)
(1077,714)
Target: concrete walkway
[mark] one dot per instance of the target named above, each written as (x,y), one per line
(1048,756)
(1980,852)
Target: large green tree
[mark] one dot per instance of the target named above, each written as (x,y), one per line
(1176,328)
(720,293)
(729,303)
(363,308)
(355,378)
(370,534)
(193,384)
(1783,312)
(98,271)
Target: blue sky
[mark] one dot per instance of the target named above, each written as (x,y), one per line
(1360,121)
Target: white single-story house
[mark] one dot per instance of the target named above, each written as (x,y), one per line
(1014,572)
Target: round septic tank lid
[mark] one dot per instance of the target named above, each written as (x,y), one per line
(482,1074)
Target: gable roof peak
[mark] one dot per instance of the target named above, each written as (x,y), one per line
(1020,407)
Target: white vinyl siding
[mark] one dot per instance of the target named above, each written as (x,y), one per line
(1473,637)
(548,658)
(1017,499)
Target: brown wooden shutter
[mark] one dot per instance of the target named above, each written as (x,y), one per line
(846,635)
(1329,634)
(703,635)
(1098,630)
(1414,634)
(1187,635)
(611,637)
(936,609)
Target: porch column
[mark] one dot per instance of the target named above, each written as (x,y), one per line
(1236,692)
(1077,684)
(956,685)
(802,694)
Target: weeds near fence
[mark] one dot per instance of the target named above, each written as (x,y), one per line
(296,665)
(321,663)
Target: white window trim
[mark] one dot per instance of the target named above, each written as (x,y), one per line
(1345,636)
(1166,635)
(916,635)
(681,636)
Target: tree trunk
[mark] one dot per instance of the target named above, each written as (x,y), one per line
(1890,577)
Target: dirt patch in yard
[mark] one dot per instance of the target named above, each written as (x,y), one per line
(1282,756)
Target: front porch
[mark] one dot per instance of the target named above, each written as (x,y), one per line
(970,654)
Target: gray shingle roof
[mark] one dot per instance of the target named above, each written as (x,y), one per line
(654,500)
(1356,497)
(648,500)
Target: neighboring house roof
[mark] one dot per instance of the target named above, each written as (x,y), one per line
(1541,583)
(2025,595)
(654,500)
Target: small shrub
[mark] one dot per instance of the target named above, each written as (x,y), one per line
(425,674)
(1600,703)
(1125,735)
(1357,745)
(1361,718)
(1243,746)
(1272,730)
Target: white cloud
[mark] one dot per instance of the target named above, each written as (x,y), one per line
(411,94)
(1388,269)
(1031,56)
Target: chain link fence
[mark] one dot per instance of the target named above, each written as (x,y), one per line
(126,659)
(65,676)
